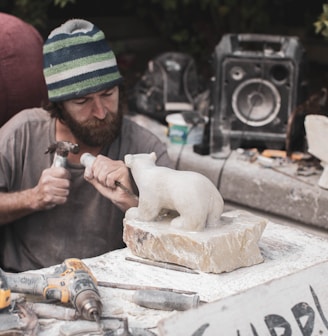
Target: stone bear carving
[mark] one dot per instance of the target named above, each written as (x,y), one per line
(191,194)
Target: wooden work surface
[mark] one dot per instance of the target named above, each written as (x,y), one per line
(285,250)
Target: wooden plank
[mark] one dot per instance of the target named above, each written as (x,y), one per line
(296,304)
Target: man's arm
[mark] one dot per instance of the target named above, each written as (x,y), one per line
(15,205)
(52,189)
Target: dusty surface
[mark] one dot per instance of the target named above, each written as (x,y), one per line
(285,250)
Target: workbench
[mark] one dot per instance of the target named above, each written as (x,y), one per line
(295,261)
(277,190)
(287,252)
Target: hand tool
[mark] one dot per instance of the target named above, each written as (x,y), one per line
(17,319)
(161,298)
(111,326)
(53,311)
(276,153)
(164,300)
(10,325)
(4,291)
(164,265)
(61,150)
(137,287)
(87,161)
(71,282)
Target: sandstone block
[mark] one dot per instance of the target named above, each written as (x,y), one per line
(214,250)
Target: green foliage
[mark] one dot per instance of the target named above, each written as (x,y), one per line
(63,3)
(321,25)
(35,11)
(195,26)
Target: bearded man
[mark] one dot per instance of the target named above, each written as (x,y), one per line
(50,213)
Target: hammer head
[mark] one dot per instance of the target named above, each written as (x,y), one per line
(62,148)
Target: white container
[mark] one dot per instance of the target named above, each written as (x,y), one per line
(181,132)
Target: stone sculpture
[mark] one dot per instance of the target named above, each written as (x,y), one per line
(316,127)
(192,195)
(195,233)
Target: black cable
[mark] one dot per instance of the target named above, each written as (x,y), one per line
(260,85)
(218,185)
(183,146)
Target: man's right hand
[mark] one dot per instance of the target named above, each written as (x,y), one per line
(51,190)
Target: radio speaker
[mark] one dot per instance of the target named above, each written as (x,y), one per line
(256,85)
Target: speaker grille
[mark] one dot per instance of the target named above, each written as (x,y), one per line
(256,102)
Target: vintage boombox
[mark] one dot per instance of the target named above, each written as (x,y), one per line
(257,83)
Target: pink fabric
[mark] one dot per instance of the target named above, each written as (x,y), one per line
(22,83)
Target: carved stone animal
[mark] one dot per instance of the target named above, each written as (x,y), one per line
(191,194)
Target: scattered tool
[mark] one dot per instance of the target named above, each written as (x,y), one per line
(4,291)
(276,153)
(52,311)
(164,300)
(72,282)
(20,321)
(111,326)
(164,265)
(137,287)
(61,150)
(17,319)
(87,161)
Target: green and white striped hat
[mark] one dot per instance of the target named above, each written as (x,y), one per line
(77,61)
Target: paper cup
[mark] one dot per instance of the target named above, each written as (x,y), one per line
(181,132)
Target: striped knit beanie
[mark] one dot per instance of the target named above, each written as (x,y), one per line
(77,61)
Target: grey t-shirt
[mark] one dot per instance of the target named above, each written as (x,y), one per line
(88,224)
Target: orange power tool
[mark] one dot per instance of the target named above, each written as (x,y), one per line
(4,291)
(71,282)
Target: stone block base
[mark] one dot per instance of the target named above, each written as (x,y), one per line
(215,250)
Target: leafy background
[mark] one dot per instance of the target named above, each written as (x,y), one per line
(192,26)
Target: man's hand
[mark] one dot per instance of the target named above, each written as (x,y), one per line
(104,175)
(52,188)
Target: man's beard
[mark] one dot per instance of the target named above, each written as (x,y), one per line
(95,132)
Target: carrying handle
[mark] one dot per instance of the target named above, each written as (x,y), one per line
(260,38)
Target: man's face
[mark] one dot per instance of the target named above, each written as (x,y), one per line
(94,119)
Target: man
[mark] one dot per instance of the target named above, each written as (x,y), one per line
(50,213)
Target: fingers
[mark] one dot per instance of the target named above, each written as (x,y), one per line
(111,178)
(53,187)
(119,196)
(107,172)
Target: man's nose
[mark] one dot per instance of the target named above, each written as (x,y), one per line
(99,109)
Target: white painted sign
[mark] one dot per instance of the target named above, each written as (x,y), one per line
(294,305)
